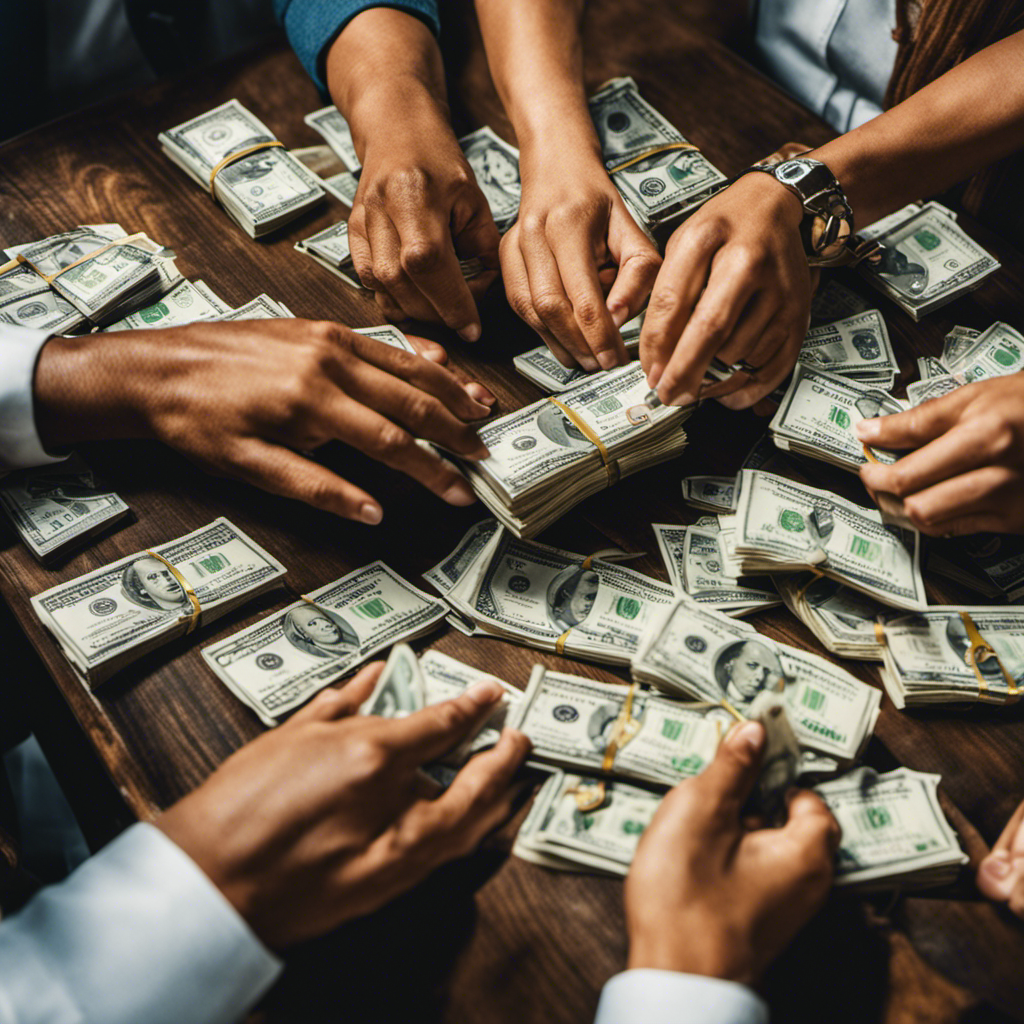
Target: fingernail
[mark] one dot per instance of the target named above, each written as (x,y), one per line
(460,493)
(588,363)
(750,734)
(866,429)
(480,394)
(371,513)
(487,691)
(607,359)
(619,315)
(470,333)
(997,864)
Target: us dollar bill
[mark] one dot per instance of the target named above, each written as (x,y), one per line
(929,366)
(387,334)
(453,566)
(114,615)
(658,172)
(927,259)
(187,302)
(710,493)
(400,689)
(857,346)
(263,307)
(331,124)
(495,164)
(55,508)
(956,342)
(704,655)
(26,300)
(843,619)
(261,191)
(284,659)
(781,525)
(343,186)
(934,656)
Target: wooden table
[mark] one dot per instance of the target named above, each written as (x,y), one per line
(491,939)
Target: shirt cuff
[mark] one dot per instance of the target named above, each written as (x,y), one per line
(646,996)
(20,447)
(138,933)
(313,25)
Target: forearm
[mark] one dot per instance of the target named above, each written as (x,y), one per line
(943,134)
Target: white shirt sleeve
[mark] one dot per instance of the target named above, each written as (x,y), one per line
(645,996)
(20,446)
(137,935)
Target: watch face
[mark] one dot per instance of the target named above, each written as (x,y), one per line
(792,171)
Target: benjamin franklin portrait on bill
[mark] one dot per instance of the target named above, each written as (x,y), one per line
(319,632)
(558,428)
(149,583)
(571,596)
(744,668)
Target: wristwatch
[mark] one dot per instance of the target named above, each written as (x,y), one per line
(827,227)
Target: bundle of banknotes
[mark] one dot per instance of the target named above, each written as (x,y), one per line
(550,455)
(543,597)
(112,616)
(280,662)
(927,259)
(843,619)
(704,655)
(185,303)
(952,654)
(710,493)
(234,156)
(59,507)
(91,275)
(856,347)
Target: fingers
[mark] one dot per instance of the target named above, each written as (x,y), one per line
(1001,871)
(918,426)
(437,354)
(332,704)
(784,342)
(726,783)
(638,265)
(811,824)
(386,268)
(957,505)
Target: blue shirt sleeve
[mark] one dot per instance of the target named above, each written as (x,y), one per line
(312,25)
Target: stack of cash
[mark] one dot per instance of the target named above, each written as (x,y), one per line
(26,300)
(857,347)
(707,656)
(281,661)
(112,616)
(547,598)
(657,171)
(927,258)
(495,165)
(261,190)
(818,413)
(550,455)
(710,493)
(929,367)
(843,619)
(187,302)
(784,526)
(694,562)
(947,654)
(894,832)
(58,507)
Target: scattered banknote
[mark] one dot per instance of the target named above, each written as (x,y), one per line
(818,414)
(927,259)
(26,300)
(843,619)
(894,832)
(857,347)
(187,302)
(949,654)
(659,173)
(112,616)
(57,507)
(453,566)
(261,191)
(387,334)
(784,526)
(694,562)
(956,342)
(281,661)
(331,124)
(544,458)
(710,493)
(342,186)
(834,301)
(495,165)
(551,599)
(699,653)
(929,366)
(263,307)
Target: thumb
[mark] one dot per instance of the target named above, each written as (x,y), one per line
(728,780)
(638,262)
(915,427)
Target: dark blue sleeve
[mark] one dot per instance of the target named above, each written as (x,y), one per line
(312,25)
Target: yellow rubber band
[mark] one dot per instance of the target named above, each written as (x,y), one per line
(625,729)
(880,633)
(560,642)
(732,711)
(654,151)
(187,587)
(982,650)
(11,265)
(869,454)
(815,576)
(610,465)
(232,157)
(50,278)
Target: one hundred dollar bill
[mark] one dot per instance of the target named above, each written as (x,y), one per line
(187,302)
(843,619)
(710,493)
(330,123)
(857,346)
(27,300)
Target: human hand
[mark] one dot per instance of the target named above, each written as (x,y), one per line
(705,895)
(1001,873)
(967,474)
(324,819)
(572,222)
(735,284)
(242,399)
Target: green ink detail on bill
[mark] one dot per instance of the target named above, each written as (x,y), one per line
(869,550)
(1007,355)
(813,699)
(210,564)
(877,817)
(691,765)
(605,405)
(792,521)
(627,607)
(633,828)
(840,417)
(671,728)
(928,240)
(154,313)
(373,609)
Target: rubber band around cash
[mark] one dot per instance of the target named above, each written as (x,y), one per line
(232,157)
(50,278)
(610,465)
(980,646)
(869,454)
(653,151)
(804,587)
(187,587)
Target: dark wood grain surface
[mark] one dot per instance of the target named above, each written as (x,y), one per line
(491,939)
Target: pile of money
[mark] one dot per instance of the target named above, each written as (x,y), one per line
(992,564)
(237,159)
(704,655)
(547,598)
(58,507)
(956,342)
(818,413)
(659,174)
(693,558)
(710,493)
(281,661)
(927,259)
(894,832)
(784,526)
(857,347)
(187,302)
(550,455)
(947,654)
(844,620)
(27,300)
(112,616)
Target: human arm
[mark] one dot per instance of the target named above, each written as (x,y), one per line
(735,281)
(572,220)
(709,898)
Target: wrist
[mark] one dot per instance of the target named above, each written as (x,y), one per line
(405,107)
(693,952)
